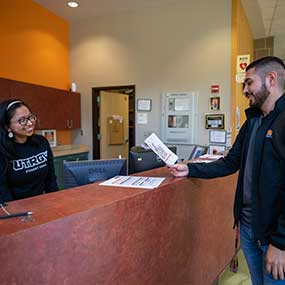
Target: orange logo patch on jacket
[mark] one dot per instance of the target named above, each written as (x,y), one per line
(269,134)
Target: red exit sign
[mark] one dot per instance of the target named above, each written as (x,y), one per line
(215,88)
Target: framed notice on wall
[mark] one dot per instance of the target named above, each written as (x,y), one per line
(218,136)
(214,103)
(144,105)
(214,121)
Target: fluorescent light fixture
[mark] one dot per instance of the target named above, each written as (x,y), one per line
(72,4)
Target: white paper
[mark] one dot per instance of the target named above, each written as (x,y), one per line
(134,181)
(155,144)
(182,104)
(207,158)
(142,118)
(240,77)
(218,136)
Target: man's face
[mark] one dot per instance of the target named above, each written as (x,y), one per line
(255,89)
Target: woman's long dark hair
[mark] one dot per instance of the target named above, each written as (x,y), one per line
(7,111)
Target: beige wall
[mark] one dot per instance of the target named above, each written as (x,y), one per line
(279,44)
(179,47)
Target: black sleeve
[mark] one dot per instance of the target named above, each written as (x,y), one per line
(50,182)
(5,194)
(278,236)
(224,166)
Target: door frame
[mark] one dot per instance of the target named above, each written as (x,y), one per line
(129,90)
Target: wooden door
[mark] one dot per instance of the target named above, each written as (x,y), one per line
(114,119)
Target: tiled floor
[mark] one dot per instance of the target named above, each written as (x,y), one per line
(239,278)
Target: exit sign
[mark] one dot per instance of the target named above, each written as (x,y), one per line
(215,88)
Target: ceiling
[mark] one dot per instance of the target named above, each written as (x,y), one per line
(91,8)
(266,17)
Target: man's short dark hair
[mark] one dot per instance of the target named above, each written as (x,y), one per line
(267,64)
(264,61)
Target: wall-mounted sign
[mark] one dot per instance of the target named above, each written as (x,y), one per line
(218,136)
(214,121)
(144,105)
(242,62)
(142,118)
(215,89)
(214,103)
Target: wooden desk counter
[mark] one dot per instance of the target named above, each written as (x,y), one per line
(179,233)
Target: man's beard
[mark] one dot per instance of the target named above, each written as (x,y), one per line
(260,96)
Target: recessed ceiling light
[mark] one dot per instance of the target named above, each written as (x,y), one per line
(72,4)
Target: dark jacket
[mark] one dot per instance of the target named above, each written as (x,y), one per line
(268,191)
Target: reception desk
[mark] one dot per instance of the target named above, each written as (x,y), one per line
(178,233)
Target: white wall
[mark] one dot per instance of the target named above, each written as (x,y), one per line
(180,47)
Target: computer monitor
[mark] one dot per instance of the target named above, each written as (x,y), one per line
(141,159)
(77,173)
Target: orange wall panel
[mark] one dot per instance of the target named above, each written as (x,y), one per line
(34,44)
(242,43)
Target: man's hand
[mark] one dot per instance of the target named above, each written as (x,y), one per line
(275,262)
(179,170)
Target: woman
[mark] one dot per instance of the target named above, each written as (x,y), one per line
(26,160)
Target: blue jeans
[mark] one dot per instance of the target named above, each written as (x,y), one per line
(254,255)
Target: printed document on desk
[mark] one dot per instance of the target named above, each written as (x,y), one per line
(134,181)
(156,145)
(207,158)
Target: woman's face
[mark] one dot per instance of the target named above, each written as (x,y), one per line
(22,124)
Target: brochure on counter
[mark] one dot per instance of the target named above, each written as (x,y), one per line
(157,146)
(207,158)
(134,181)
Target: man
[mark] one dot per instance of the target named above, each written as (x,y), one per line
(259,206)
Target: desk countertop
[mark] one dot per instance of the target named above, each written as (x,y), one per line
(178,233)
(69,149)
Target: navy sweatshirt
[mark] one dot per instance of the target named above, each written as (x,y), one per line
(30,173)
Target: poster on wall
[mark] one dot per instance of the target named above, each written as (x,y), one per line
(242,63)
(215,104)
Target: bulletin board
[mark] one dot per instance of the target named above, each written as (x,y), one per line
(179,117)
(116,130)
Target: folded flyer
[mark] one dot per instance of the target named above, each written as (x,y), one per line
(156,145)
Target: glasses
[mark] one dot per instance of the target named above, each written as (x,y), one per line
(24,120)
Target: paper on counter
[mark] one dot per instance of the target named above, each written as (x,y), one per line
(207,158)
(161,149)
(134,181)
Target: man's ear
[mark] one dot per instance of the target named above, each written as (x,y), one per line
(272,78)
